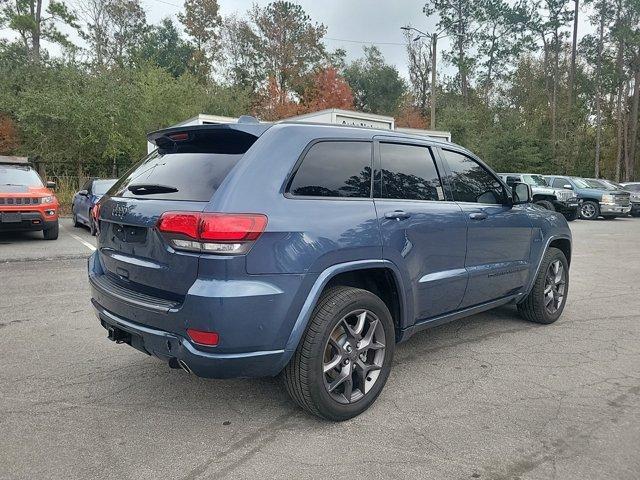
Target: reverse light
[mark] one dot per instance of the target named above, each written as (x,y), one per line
(221,233)
(208,339)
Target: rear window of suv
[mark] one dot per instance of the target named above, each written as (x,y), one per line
(189,170)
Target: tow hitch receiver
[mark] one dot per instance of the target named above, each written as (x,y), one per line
(116,335)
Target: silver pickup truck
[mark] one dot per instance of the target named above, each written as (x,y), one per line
(558,199)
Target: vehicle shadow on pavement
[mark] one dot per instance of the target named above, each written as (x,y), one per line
(158,386)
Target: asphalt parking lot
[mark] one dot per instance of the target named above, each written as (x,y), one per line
(488,397)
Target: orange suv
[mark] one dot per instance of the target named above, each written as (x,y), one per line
(26,204)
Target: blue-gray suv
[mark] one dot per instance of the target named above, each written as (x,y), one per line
(309,251)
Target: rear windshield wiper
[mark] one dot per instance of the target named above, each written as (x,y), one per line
(150,188)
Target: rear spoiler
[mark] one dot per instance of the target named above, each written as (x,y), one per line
(239,132)
(4,159)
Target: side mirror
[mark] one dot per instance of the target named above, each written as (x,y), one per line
(83,193)
(521,193)
(51,185)
(567,186)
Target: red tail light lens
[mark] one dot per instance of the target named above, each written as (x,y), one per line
(231,228)
(209,339)
(182,223)
(212,232)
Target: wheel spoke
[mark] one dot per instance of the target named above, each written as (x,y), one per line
(368,338)
(548,299)
(360,323)
(348,388)
(333,363)
(344,374)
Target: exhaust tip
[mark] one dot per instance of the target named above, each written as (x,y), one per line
(184,366)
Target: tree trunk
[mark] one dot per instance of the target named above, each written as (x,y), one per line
(554,97)
(633,132)
(572,71)
(625,131)
(35,49)
(619,103)
(596,170)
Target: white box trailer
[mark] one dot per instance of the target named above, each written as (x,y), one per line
(333,116)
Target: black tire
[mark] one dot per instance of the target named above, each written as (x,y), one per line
(635,213)
(609,217)
(304,377)
(533,308)
(546,204)
(92,227)
(571,215)
(51,232)
(76,223)
(589,210)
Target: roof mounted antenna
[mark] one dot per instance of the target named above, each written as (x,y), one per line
(248,119)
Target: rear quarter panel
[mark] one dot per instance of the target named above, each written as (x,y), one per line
(303,234)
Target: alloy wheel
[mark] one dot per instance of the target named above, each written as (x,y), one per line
(588,210)
(353,356)
(554,286)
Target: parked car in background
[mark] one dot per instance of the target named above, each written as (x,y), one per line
(596,202)
(558,199)
(244,250)
(26,203)
(634,189)
(85,200)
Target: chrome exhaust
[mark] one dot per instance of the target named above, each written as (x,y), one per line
(184,366)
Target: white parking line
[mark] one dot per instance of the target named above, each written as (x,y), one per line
(84,242)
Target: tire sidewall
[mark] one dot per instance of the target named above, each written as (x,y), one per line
(552,255)
(320,395)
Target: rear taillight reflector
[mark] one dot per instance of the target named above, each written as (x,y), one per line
(212,232)
(209,339)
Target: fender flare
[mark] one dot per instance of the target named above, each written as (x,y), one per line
(313,296)
(533,277)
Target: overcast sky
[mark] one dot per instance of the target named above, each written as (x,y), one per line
(350,23)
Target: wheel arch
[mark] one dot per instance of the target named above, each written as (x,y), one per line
(563,243)
(366,274)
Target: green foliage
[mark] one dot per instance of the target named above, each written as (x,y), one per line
(377,87)
(164,47)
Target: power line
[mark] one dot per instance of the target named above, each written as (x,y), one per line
(168,3)
(363,41)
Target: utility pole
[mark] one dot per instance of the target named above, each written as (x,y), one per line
(434,53)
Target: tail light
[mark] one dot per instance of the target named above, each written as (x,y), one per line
(212,232)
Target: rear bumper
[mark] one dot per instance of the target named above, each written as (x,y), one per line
(171,347)
(253,316)
(613,210)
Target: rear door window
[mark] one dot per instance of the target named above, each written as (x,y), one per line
(334,169)
(409,173)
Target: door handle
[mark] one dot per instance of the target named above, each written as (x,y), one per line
(397,215)
(478,216)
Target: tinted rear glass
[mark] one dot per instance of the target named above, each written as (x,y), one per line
(409,173)
(334,169)
(187,170)
(100,187)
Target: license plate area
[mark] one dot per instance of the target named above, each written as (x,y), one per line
(11,217)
